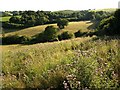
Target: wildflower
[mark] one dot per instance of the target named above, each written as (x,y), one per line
(67,85)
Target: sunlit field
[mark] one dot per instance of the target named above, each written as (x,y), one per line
(72,27)
(90,62)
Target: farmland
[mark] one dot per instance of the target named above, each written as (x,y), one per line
(72,27)
(6,18)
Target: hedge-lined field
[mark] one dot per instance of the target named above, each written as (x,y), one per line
(84,26)
(86,62)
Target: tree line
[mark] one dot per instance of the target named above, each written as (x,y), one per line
(34,18)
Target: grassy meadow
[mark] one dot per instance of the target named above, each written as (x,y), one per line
(84,26)
(88,62)
(4,19)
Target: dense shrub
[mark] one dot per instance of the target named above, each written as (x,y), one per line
(65,35)
(15,39)
(50,33)
(39,38)
(79,33)
(14,19)
(12,25)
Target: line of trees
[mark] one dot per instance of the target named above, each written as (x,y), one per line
(32,18)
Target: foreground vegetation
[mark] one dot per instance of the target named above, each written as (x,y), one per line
(88,62)
(85,62)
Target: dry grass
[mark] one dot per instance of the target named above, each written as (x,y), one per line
(44,65)
(72,27)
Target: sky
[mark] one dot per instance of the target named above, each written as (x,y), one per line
(54,5)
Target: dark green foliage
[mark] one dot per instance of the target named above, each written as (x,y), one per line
(12,25)
(117,14)
(61,23)
(14,19)
(32,18)
(50,33)
(14,39)
(79,33)
(65,35)
(111,25)
(39,38)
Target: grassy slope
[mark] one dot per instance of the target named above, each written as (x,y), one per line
(72,27)
(49,63)
(6,18)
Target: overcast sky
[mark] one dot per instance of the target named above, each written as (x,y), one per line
(54,5)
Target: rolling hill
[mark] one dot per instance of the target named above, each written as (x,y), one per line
(72,27)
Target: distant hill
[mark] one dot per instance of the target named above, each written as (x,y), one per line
(107,9)
(66,11)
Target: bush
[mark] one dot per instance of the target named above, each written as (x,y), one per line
(11,25)
(50,33)
(39,38)
(15,39)
(14,19)
(65,35)
(79,33)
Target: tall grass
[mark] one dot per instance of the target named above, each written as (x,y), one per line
(84,62)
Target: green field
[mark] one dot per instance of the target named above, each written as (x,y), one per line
(6,18)
(87,60)
(84,26)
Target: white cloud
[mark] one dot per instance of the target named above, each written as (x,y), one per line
(56,4)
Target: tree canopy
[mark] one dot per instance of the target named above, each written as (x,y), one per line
(61,23)
(111,25)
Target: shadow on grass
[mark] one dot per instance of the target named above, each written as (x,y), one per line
(94,25)
(106,38)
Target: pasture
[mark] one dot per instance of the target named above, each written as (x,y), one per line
(6,18)
(84,26)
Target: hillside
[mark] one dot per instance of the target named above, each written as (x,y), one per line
(48,64)
(72,27)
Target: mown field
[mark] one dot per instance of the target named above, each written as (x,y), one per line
(6,18)
(88,62)
(84,26)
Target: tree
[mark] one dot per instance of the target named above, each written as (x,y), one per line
(50,33)
(79,33)
(14,19)
(111,25)
(41,20)
(61,23)
(65,35)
